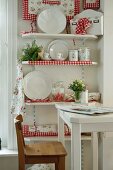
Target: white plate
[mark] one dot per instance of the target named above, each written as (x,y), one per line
(51,21)
(37,85)
(57,47)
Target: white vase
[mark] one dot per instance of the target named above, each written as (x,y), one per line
(84,97)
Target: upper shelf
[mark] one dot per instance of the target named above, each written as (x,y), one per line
(52,62)
(53,36)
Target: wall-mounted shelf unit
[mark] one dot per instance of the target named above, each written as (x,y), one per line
(54,36)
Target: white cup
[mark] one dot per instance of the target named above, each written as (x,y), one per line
(46,56)
(73,55)
(60,56)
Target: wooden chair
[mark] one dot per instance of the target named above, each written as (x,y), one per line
(41,152)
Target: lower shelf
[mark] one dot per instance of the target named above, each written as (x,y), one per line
(53,138)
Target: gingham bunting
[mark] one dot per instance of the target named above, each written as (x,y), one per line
(91,5)
(58,62)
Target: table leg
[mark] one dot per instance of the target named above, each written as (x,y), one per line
(60,129)
(76,147)
(94,151)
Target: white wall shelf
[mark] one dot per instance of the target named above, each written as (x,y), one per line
(53,138)
(43,103)
(54,36)
(51,62)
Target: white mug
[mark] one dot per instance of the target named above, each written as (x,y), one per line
(73,55)
(46,56)
(60,56)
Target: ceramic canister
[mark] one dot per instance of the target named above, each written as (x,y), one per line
(73,55)
(84,54)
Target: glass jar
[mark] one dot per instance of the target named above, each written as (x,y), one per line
(58,91)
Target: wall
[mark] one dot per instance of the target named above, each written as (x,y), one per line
(95,82)
(8,163)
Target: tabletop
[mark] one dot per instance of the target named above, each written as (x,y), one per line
(83,118)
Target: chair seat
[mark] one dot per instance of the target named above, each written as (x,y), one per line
(42,167)
(45,149)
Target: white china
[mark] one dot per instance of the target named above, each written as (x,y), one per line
(37,85)
(73,55)
(46,56)
(51,20)
(58,49)
(84,54)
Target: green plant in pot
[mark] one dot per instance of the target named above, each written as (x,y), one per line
(77,86)
(32,52)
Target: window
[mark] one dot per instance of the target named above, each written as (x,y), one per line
(8,50)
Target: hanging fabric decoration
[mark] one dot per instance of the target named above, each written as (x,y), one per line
(91,4)
(18,95)
(33,7)
(51,2)
(82,25)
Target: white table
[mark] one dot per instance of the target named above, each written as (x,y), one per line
(82,123)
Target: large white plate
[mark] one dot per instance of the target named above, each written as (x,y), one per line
(57,47)
(52,21)
(37,85)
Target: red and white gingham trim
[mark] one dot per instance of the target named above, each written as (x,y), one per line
(27,133)
(25,13)
(51,2)
(59,62)
(37,100)
(44,101)
(27,16)
(76,7)
(90,5)
(82,25)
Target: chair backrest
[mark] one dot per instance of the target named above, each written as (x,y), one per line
(20,139)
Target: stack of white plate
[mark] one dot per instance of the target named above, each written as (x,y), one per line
(51,21)
(37,85)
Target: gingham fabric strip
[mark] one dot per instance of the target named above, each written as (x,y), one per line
(42,101)
(28,133)
(38,100)
(60,62)
(82,25)
(95,5)
(51,2)
(76,7)
(25,13)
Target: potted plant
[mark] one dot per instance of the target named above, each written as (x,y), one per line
(77,86)
(32,52)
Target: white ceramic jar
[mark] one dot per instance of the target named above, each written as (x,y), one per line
(73,55)
(84,54)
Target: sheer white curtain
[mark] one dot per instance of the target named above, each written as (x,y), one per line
(8,55)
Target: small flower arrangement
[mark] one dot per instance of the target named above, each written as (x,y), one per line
(77,86)
(32,52)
